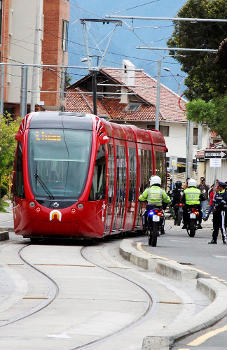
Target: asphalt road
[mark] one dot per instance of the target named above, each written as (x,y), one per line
(212,259)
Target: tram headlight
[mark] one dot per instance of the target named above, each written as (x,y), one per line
(32,204)
(80,206)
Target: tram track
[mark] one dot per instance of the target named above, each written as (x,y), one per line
(47,301)
(149,307)
(139,318)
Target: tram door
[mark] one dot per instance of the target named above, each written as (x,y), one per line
(98,188)
(131,205)
(121,181)
(110,196)
(146,171)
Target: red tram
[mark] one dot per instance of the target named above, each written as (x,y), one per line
(77,175)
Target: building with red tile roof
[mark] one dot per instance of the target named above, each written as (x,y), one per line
(128,95)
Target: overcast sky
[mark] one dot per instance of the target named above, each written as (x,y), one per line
(126,38)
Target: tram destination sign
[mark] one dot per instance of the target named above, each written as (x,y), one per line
(215,154)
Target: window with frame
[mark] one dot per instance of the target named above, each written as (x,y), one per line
(65,26)
(132,107)
(195,136)
(164,129)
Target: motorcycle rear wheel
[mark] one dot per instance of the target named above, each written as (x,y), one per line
(192,229)
(153,234)
(179,218)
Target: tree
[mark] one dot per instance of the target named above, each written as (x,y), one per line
(213,113)
(205,79)
(8,129)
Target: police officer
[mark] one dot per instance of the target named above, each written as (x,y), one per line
(154,195)
(191,197)
(219,205)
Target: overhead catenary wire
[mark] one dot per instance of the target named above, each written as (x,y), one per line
(177,19)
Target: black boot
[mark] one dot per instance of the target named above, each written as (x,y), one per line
(212,242)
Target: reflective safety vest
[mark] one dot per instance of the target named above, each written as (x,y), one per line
(154,195)
(192,195)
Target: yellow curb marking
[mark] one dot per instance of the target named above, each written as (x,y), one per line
(206,336)
(203,338)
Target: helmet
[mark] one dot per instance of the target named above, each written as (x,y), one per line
(178,184)
(192,183)
(155,180)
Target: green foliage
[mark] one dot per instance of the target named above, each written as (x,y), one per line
(3,206)
(206,79)
(213,113)
(8,129)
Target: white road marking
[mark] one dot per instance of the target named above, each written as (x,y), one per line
(61,335)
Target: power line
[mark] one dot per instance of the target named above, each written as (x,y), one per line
(140,5)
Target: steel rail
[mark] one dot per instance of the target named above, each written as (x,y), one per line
(150,307)
(52,296)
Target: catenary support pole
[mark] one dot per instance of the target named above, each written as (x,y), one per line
(189,149)
(94,90)
(200,135)
(158,96)
(2,89)
(24,89)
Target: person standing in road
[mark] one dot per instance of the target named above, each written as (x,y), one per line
(186,183)
(155,197)
(204,190)
(219,205)
(211,198)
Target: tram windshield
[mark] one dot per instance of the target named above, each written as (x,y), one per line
(58,162)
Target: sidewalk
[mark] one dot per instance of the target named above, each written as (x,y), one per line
(6,222)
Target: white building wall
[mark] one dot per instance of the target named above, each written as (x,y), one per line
(221,173)
(205,140)
(176,141)
(21,44)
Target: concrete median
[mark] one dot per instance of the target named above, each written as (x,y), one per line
(214,290)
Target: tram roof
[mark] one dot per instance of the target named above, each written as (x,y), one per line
(59,120)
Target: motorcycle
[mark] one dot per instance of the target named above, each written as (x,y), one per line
(155,222)
(193,221)
(177,213)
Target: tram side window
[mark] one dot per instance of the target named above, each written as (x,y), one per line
(132,176)
(98,188)
(146,168)
(160,164)
(19,178)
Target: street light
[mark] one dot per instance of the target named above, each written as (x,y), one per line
(178,82)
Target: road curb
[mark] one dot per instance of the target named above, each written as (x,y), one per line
(4,235)
(213,289)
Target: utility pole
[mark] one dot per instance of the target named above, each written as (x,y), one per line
(24,89)
(94,90)
(158,96)
(2,89)
(35,57)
